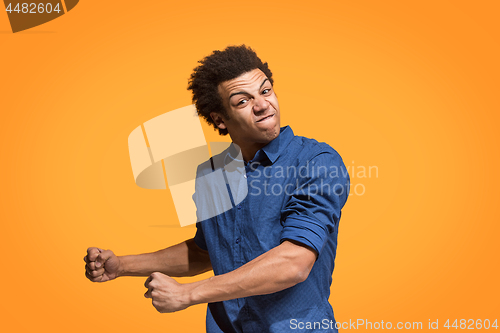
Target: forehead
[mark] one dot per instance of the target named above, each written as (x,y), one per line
(245,82)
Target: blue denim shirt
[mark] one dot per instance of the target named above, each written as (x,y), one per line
(296,190)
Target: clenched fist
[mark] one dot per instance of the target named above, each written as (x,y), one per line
(101,265)
(167,294)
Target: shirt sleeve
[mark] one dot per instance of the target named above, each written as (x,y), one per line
(199,237)
(313,208)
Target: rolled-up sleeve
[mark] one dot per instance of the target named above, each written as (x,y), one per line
(199,237)
(313,209)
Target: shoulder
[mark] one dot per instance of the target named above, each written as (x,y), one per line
(216,162)
(204,169)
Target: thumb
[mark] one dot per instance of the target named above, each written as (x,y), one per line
(103,257)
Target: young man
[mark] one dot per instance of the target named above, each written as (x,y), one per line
(273,253)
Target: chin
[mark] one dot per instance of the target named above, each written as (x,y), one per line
(274,132)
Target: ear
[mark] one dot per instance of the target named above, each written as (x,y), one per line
(218,120)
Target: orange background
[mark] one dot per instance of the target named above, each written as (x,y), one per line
(408,87)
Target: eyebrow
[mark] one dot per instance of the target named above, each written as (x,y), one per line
(244,92)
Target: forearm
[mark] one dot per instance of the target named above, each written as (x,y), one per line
(183,259)
(276,270)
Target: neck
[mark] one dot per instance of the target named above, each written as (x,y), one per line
(249,153)
(249,150)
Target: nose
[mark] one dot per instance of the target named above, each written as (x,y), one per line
(260,104)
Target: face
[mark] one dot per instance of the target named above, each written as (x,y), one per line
(252,107)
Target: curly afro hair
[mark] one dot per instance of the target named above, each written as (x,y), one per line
(216,68)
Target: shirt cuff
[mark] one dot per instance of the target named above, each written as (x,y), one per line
(306,231)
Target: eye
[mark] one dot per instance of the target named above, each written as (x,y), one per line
(242,101)
(266,91)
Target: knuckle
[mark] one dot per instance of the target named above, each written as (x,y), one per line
(104,255)
(92,254)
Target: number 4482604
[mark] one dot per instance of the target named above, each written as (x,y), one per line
(33,8)
(471,324)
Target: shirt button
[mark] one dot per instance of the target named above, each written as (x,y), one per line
(237,240)
(239,206)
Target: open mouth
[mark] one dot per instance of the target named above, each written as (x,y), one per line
(265,118)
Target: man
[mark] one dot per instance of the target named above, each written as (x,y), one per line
(273,253)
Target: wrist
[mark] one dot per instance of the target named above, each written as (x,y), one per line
(120,271)
(193,292)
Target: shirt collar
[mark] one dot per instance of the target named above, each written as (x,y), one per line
(233,153)
(276,147)
(271,151)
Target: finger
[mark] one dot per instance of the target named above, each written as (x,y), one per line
(93,279)
(102,257)
(159,275)
(87,269)
(148,280)
(154,278)
(147,294)
(91,265)
(94,272)
(92,253)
